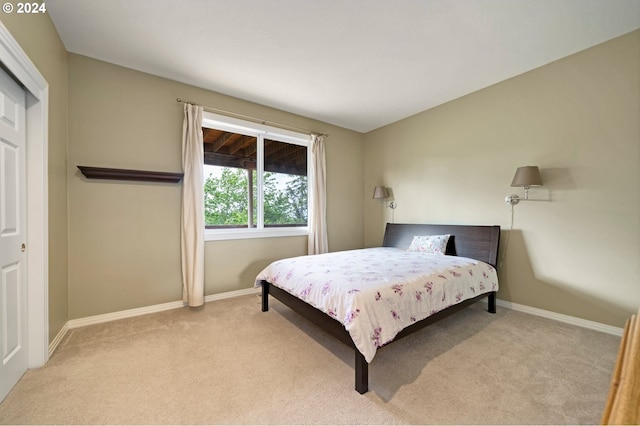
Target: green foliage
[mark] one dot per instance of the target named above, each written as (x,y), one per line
(226,199)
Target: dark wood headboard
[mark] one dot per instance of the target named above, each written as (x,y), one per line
(476,242)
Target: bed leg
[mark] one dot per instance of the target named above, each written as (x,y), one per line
(362,373)
(492,302)
(265,296)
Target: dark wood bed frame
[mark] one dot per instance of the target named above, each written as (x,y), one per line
(476,242)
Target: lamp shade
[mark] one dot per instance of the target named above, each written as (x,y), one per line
(380,193)
(527,176)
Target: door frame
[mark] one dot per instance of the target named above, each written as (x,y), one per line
(16,62)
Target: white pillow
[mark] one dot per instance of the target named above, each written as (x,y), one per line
(433,244)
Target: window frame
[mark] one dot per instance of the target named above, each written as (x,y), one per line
(260,131)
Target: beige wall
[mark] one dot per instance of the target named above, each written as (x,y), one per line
(37,36)
(124,237)
(577,253)
(115,245)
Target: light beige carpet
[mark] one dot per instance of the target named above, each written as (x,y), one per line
(231,363)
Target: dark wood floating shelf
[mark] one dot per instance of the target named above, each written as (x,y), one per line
(125,174)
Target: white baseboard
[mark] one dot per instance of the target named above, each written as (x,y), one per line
(230,294)
(56,341)
(592,325)
(129,313)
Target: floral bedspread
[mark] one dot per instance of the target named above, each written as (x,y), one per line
(377,292)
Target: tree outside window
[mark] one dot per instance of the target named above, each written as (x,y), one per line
(251,181)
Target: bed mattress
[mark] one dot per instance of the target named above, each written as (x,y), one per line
(377,292)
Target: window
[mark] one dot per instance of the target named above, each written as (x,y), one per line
(255,179)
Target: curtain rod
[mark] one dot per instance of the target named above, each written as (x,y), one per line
(253,119)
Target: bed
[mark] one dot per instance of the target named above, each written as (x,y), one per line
(369,298)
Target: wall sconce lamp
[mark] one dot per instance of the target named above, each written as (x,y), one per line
(381,193)
(526,176)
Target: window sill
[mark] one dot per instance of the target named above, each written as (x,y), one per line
(245,234)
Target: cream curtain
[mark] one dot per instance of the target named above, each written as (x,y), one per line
(318,218)
(192,234)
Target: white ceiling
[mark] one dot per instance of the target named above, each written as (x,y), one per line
(358,64)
